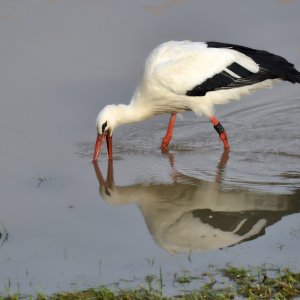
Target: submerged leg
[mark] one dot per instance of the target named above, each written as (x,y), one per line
(166,140)
(109,146)
(221,131)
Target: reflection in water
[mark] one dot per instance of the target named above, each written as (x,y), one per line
(193,214)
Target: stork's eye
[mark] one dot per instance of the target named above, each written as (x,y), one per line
(104,125)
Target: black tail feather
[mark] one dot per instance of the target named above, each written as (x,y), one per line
(275,65)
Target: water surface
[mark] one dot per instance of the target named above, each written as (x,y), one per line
(67,224)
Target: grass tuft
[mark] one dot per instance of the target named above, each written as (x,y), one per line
(243,284)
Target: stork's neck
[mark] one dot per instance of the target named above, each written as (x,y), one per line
(131,113)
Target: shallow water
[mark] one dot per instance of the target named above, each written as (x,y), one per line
(67,224)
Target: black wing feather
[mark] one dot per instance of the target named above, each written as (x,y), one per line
(271,66)
(274,64)
(239,70)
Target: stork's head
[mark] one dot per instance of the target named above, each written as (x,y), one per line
(106,120)
(105,123)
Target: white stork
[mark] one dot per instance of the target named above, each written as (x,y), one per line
(193,76)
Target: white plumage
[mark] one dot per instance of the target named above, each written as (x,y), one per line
(194,76)
(174,68)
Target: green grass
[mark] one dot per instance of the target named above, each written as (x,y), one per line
(237,283)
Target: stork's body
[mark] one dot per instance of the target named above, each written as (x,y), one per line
(194,76)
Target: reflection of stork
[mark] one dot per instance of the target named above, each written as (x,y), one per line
(193,214)
(3,235)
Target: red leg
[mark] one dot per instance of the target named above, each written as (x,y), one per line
(109,146)
(221,131)
(166,140)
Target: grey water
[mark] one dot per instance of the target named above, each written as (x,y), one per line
(67,224)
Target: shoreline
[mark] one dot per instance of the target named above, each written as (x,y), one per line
(229,283)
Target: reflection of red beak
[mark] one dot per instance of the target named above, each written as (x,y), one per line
(98,144)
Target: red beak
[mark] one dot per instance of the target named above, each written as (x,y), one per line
(98,144)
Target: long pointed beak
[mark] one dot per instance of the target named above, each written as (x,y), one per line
(98,144)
